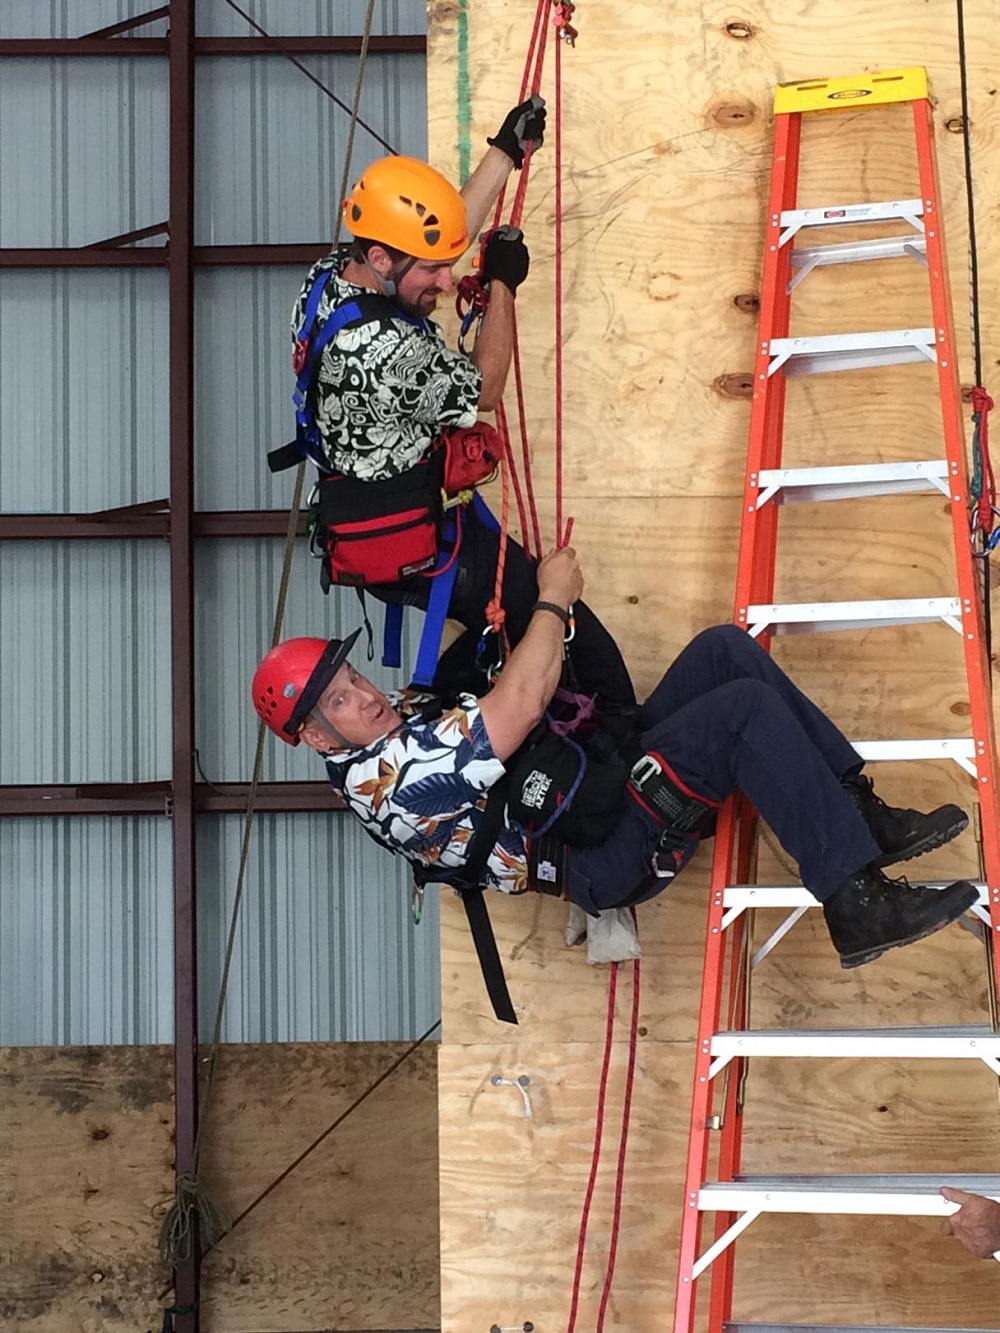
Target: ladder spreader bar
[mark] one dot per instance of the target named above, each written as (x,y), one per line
(806,485)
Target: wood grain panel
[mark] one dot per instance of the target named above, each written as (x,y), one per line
(667,154)
(349,1240)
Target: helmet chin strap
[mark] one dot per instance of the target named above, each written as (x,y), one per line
(341,742)
(390,286)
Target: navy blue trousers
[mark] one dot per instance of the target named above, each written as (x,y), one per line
(726,716)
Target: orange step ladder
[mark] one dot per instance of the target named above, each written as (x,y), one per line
(723,1044)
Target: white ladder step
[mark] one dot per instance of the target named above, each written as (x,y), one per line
(847,215)
(802,485)
(850,351)
(974,1042)
(805,258)
(886,1196)
(823,617)
(740,897)
(841,1328)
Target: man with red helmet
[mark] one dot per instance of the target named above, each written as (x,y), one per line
(385,388)
(723,716)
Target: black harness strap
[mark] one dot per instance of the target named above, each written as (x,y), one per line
(467,882)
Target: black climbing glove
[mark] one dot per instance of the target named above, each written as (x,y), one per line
(505,258)
(524,127)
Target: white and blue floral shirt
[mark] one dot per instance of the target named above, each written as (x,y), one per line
(385,388)
(423,788)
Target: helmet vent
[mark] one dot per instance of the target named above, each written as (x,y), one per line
(432,237)
(355,213)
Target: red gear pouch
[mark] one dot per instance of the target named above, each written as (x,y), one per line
(380,531)
(472,455)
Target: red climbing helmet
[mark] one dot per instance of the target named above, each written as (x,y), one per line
(290,679)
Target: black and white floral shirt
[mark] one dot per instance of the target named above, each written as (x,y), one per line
(384,388)
(423,789)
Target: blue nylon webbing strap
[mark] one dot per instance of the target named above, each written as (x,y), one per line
(392,635)
(483,513)
(437,611)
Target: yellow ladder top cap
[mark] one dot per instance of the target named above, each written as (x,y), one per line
(853,92)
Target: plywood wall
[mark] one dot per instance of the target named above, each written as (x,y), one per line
(667,135)
(348,1241)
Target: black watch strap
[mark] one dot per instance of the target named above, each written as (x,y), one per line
(559,611)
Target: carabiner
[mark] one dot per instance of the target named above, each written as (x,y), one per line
(417,903)
(570,626)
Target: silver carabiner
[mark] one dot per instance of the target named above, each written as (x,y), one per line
(417,903)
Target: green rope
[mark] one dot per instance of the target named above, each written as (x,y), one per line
(191,1207)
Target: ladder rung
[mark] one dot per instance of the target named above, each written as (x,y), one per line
(842,1328)
(842,215)
(889,1196)
(850,351)
(795,895)
(974,1042)
(823,617)
(803,485)
(807,257)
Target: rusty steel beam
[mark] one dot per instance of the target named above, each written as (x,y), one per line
(99,527)
(130,24)
(180,359)
(154,798)
(48,48)
(230,256)
(104,254)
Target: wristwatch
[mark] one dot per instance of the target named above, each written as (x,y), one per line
(556,610)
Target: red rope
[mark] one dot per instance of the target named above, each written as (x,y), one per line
(522,516)
(537,27)
(562,539)
(595,1160)
(522,421)
(622,1147)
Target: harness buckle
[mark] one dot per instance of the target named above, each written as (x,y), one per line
(299,353)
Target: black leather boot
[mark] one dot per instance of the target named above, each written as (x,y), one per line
(870,913)
(903,834)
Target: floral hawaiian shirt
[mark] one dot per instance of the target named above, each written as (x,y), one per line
(422,789)
(384,388)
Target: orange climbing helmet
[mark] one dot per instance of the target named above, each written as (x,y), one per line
(405,203)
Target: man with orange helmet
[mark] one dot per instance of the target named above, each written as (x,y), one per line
(378,390)
(488,794)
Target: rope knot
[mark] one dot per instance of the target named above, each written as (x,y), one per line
(495,615)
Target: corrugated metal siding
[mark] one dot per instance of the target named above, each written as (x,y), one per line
(264,125)
(83,392)
(85,932)
(327,950)
(83,148)
(84,660)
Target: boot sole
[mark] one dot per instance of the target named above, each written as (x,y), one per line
(925,845)
(957,910)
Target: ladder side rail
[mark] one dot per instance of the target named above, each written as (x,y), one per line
(977,661)
(758,527)
(709,1011)
(731,1133)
